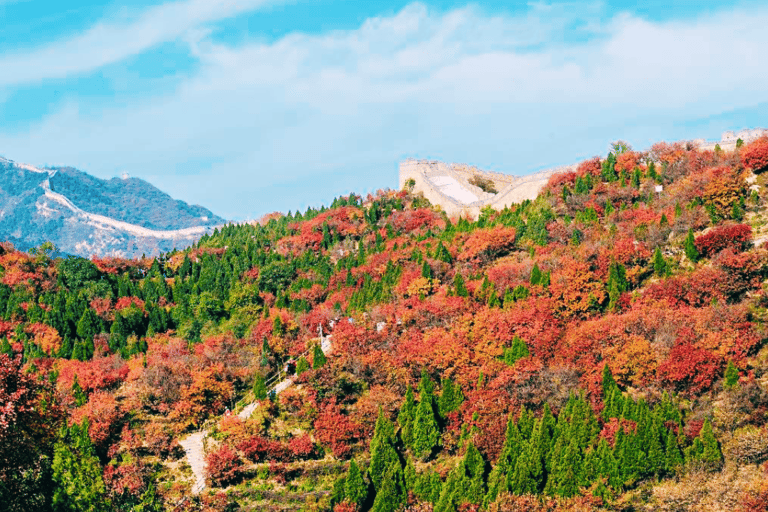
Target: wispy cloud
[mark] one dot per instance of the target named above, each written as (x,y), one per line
(325,114)
(114,40)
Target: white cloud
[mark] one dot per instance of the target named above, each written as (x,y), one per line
(112,41)
(329,113)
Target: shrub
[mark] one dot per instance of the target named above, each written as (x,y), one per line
(223,467)
(737,236)
(755,155)
(484,184)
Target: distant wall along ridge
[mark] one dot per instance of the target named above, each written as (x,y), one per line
(448,185)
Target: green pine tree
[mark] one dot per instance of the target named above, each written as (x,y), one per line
(391,494)
(731,377)
(459,286)
(517,351)
(77,473)
(355,489)
(426,434)
(302,365)
(690,247)
(406,416)
(318,357)
(77,392)
(451,398)
(383,453)
(259,387)
(660,266)
(673,459)
(535,275)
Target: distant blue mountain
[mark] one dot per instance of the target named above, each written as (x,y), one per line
(85,215)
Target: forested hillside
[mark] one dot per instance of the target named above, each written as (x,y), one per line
(600,347)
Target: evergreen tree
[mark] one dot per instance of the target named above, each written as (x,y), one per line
(77,391)
(426,434)
(517,351)
(672,456)
(690,247)
(383,453)
(459,286)
(77,472)
(318,357)
(391,495)
(259,387)
(731,377)
(355,489)
(535,275)
(609,383)
(510,451)
(451,398)
(659,264)
(711,454)
(406,416)
(302,365)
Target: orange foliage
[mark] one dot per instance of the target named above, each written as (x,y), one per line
(103,415)
(98,373)
(486,244)
(45,336)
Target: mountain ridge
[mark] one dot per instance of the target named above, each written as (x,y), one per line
(85,215)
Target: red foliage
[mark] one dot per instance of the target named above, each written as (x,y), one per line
(627,161)
(301,447)
(412,220)
(755,155)
(125,302)
(98,373)
(335,429)
(696,289)
(736,236)
(690,368)
(556,181)
(611,428)
(223,466)
(260,449)
(486,244)
(593,167)
(104,416)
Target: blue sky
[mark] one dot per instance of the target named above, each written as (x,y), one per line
(252,106)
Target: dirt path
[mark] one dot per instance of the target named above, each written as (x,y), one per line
(194,444)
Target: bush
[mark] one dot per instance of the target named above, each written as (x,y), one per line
(223,467)
(737,236)
(755,155)
(484,184)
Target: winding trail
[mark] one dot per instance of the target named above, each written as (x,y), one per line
(194,444)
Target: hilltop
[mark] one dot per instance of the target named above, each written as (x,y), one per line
(84,215)
(601,346)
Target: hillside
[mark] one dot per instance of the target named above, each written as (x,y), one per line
(600,347)
(84,215)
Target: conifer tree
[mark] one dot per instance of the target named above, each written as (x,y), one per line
(318,357)
(690,247)
(76,472)
(451,398)
(535,275)
(731,377)
(406,416)
(517,351)
(459,286)
(77,391)
(302,365)
(672,456)
(391,494)
(710,454)
(355,489)
(426,434)
(259,387)
(659,264)
(510,451)
(383,453)
(608,382)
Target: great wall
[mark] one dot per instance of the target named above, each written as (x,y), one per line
(448,184)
